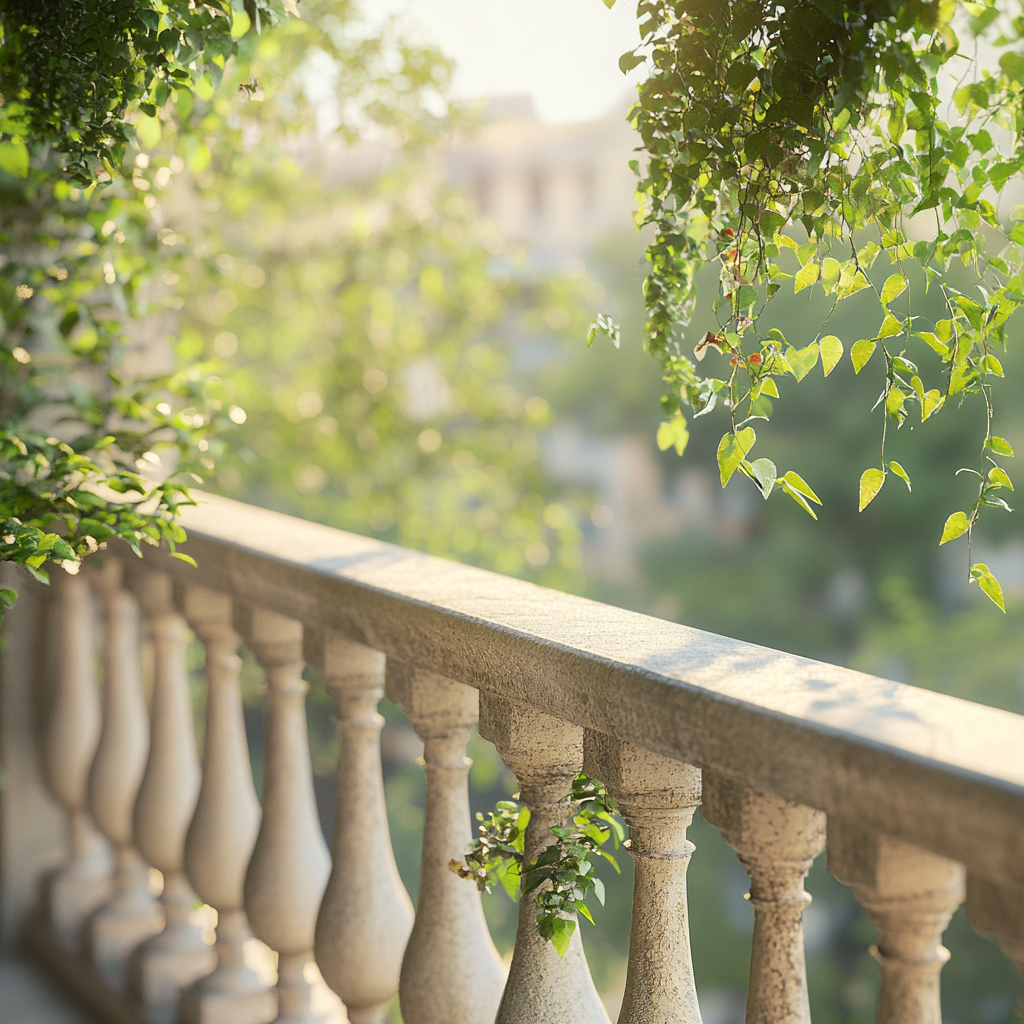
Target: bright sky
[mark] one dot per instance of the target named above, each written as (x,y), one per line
(563,52)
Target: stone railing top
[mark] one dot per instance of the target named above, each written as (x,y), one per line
(940,772)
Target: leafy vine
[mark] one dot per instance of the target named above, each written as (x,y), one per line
(804,141)
(562,875)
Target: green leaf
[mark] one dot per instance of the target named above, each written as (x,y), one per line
(998,477)
(764,474)
(802,360)
(800,485)
(806,276)
(8,597)
(989,364)
(769,388)
(935,343)
(14,159)
(732,449)
(901,473)
(628,61)
(894,286)
(830,274)
(787,488)
(931,402)
(509,876)
(561,932)
(956,526)
(599,890)
(181,556)
(861,352)
(982,575)
(831,352)
(890,327)
(585,911)
(673,434)
(999,446)
(871,481)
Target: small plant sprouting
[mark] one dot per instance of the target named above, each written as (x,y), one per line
(562,877)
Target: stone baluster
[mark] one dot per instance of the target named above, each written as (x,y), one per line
(71,733)
(997,911)
(545,753)
(777,842)
(288,872)
(657,796)
(223,831)
(451,973)
(366,914)
(167,962)
(131,914)
(910,894)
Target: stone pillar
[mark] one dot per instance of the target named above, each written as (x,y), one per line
(910,894)
(71,735)
(997,911)
(167,962)
(545,753)
(451,973)
(290,863)
(777,842)
(223,831)
(657,796)
(131,914)
(366,915)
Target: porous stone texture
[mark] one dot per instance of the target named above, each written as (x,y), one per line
(776,842)
(657,797)
(366,915)
(451,973)
(545,754)
(910,894)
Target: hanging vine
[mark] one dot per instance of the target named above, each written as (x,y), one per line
(791,143)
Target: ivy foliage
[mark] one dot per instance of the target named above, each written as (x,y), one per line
(809,144)
(75,74)
(561,877)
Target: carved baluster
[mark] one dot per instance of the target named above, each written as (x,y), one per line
(290,863)
(366,914)
(223,831)
(131,914)
(167,962)
(910,894)
(72,732)
(451,973)
(777,842)
(545,753)
(997,911)
(657,796)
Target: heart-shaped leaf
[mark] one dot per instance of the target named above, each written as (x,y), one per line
(861,352)
(895,285)
(982,575)
(901,473)
(831,352)
(764,473)
(802,360)
(871,481)
(956,526)
(732,449)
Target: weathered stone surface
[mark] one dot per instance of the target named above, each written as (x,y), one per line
(911,895)
(815,734)
(451,973)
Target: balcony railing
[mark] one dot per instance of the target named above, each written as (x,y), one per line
(917,797)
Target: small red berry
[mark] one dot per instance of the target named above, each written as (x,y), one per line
(755,359)
(733,361)
(729,232)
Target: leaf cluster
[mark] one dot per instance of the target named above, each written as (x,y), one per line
(74,74)
(792,142)
(562,876)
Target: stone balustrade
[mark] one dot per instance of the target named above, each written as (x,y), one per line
(917,798)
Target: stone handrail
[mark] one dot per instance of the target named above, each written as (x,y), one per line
(917,796)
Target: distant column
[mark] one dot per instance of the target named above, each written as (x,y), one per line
(290,863)
(451,973)
(657,796)
(71,735)
(132,913)
(545,753)
(223,832)
(167,962)
(777,842)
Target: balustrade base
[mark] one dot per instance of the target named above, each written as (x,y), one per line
(228,997)
(69,896)
(116,929)
(164,965)
(75,975)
